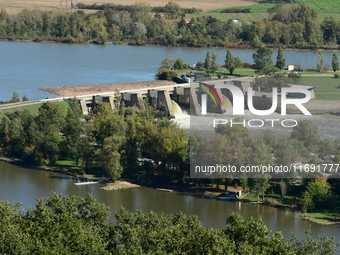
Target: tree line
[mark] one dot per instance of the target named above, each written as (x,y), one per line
(73,225)
(290,25)
(112,142)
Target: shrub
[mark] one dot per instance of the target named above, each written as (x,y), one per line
(336,75)
(270,201)
(236,10)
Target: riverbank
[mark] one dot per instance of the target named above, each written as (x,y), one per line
(326,48)
(119,184)
(322,218)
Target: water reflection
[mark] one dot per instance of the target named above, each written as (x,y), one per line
(25,185)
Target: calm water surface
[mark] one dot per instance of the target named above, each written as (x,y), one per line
(27,66)
(25,185)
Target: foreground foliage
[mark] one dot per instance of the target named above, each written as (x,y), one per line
(74,225)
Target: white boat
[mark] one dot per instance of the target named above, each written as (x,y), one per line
(86,183)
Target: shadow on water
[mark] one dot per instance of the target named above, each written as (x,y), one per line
(61,177)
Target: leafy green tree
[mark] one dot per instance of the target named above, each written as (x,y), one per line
(110,156)
(320,65)
(262,58)
(173,11)
(74,129)
(317,194)
(44,133)
(207,62)
(214,65)
(280,60)
(251,236)
(25,98)
(106,123)
(63,224)
(335,62)
(179,64)
(285,152)
(13,239)
(15,98)
(152,233)
(307,132)
(259,184)
(230,63)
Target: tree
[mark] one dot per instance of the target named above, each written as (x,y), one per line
(283,188)
(110,156)
(317,194)
(179,64)
(214,65)
(166,234)
(259,184)
(15,98)
(74,129)
(263,58)
(44,133)
(280,60)
(25,98)
(307,132)
(139,31)
(320,65)
(207,62)
(285,153)
(335,62)
(173,11)
(252,236)
(230,62)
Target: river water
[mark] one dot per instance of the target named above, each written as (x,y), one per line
(27,66)
(25,185)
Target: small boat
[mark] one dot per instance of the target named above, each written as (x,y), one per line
(167,190)
(86,183)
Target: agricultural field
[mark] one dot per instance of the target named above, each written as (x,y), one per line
(228,16)
(324,9)
(325,6)
(14,6)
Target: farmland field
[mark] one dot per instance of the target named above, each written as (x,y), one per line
(14,6)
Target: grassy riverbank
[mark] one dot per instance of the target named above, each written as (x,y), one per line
(323,217)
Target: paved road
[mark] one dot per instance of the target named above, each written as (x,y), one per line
(14,105)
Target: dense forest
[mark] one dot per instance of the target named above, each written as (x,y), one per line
(288,25)
(74,225)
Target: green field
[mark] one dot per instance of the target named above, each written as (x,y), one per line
(326,87)
(330,8)
(34,108)
(325,6)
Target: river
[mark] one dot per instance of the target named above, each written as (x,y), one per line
(24,185)
(27,66)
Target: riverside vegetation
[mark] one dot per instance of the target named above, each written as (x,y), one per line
(291,25)
(113,142)
(74,225)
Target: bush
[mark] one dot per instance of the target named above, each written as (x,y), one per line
(164,74)
(270,201)
(336,75)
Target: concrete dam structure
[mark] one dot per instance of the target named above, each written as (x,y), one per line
(167,99)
